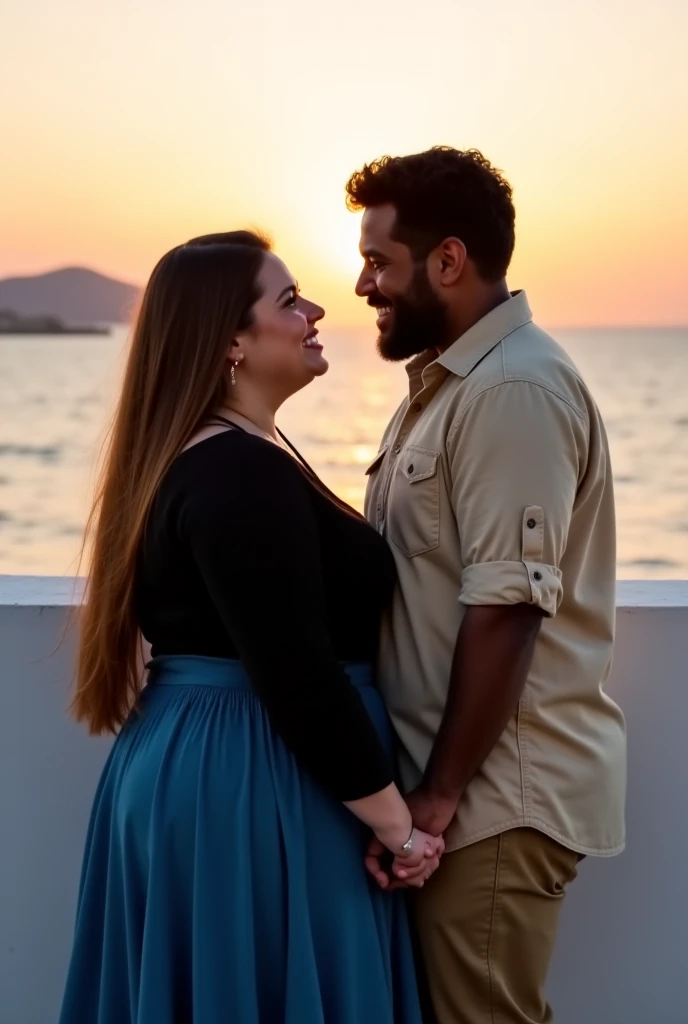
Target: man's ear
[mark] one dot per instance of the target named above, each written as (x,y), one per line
(450,259)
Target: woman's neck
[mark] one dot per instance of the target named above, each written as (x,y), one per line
(256,413)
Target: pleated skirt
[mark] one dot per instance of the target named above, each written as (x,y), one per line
(221,883)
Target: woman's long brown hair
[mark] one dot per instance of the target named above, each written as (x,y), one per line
(198,297)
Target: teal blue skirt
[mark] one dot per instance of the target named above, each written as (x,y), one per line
(221,884)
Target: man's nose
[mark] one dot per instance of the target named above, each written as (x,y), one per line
(366,283)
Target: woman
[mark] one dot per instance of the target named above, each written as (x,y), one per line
(223,877)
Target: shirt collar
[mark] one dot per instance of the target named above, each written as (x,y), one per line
(416,367)
(465,354)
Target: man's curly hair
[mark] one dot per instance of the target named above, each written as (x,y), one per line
(440,194)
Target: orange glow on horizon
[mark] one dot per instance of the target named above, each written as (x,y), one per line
(132,127)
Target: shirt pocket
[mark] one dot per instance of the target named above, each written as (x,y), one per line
(414,502)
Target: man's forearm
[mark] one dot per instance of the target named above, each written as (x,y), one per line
(492,658)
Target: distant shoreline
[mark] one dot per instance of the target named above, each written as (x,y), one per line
(52,333)
(13,324)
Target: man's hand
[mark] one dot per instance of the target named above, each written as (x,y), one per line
(430,813)
(408,871)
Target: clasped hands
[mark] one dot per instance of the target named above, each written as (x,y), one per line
(431,816)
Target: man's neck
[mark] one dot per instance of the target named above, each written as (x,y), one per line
(469,312)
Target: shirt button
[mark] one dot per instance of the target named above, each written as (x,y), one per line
(531,524)
(537,576)
(397,449)
(410,469)
(417,407)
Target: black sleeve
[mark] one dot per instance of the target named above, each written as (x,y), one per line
(254,535)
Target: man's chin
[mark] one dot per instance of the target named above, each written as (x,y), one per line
(394,349)
(384,352)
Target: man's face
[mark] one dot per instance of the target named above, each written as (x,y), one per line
(411,318)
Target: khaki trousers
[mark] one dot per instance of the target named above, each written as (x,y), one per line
(487,922)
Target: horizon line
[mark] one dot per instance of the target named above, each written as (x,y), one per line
(548,327)
(355,325)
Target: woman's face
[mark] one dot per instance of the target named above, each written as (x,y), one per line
(281,350)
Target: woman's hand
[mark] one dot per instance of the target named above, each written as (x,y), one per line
(415,867)
(412,868)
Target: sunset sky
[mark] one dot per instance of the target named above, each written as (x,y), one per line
(128,127)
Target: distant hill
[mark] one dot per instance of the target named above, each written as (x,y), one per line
(74,294)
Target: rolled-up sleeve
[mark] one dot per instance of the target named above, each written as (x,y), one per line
(516,456)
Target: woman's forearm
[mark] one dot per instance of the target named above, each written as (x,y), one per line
(386,814)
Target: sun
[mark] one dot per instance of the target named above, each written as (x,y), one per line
(338,240)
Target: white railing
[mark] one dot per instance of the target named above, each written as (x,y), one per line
(621,955)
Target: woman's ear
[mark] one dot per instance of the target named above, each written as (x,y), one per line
(236,351)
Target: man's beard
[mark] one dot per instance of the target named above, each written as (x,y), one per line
(419,321)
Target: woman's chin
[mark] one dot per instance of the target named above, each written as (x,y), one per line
(322,368)
(314,365)
(317,364)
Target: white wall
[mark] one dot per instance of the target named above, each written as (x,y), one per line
(622,956)
(48,772)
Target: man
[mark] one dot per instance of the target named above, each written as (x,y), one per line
(494,488)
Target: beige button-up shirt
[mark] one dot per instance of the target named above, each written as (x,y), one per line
(493,486)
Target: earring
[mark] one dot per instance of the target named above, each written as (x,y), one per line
(233,374)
